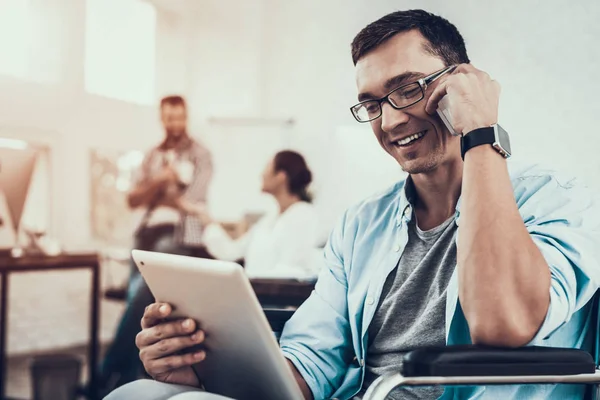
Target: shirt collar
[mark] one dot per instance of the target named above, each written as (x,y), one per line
(407,198)
(407,201)
(182,145)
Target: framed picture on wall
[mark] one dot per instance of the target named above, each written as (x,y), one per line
(112,175)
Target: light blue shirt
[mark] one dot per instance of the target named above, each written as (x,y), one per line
(326,339)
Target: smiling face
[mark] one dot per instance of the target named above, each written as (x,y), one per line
(418,141)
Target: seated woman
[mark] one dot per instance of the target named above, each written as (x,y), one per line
(282,244)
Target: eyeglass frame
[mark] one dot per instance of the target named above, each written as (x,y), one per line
(423,84)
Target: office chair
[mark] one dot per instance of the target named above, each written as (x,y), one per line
(472,365)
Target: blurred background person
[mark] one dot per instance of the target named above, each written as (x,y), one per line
(282,244)
(178,170)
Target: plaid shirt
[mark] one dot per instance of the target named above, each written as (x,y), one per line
(189,231)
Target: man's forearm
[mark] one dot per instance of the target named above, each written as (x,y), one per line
(144,194)
(504,281)
(306,392)
(172,201)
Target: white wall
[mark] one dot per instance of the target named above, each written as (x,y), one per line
(57,112)
(544,54)
(226,52)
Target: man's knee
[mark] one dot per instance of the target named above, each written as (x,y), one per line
(140,388)
(146,389)
(199,396)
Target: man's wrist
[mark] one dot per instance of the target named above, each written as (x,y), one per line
(470,128)
(480,152)
(159,182)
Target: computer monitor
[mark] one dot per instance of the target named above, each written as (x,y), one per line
(16,168)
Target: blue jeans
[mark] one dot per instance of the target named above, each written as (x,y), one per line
(121,363)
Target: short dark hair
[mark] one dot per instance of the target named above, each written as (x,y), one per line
(173,100)
(445,41)
(297,172)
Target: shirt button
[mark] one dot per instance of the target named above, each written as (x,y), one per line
(397,248)
(370,300)
(362,363)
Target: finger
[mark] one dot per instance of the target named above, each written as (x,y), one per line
(466,69)
(155,313)
(438,93)
(497,86)
(168,364)
(163,331)
(466,72)
(171,346)
(469,69)
(463,68)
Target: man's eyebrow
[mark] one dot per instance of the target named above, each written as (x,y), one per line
(398,80)
(365,96)
(393,83)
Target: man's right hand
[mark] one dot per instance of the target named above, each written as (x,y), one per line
(145,193)
(167,176)
(161,343)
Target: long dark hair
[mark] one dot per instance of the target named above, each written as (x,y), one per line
(298,174)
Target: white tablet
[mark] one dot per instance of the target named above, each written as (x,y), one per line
(243,359)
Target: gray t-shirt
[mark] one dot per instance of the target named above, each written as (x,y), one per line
(412,307)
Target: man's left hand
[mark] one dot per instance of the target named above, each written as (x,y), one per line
(472,96)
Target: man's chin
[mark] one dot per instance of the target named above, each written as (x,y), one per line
(176,134)
(417,166)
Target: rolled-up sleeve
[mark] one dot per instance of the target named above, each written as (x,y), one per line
(222,246)
(563,220)
(317,340)
(203,171)
(142,175)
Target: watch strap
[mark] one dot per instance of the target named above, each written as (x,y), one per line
(476,137)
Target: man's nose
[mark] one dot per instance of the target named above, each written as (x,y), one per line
(392,118)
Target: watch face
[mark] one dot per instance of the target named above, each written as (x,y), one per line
(503,141)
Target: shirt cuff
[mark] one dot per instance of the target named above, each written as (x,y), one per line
(310,382)
(556,316)
(213,231)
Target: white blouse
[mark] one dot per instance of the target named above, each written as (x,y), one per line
(277,246)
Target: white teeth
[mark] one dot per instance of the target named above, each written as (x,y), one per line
(409,139)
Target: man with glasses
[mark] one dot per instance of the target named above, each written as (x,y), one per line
(465,250)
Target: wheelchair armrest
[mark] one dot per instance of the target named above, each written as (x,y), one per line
(480,365)
(474,360)
(277,317)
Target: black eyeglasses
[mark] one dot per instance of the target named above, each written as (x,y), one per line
(399,98)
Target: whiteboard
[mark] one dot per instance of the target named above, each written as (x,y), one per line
(240,154)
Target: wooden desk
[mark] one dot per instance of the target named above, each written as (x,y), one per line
(282,292)
(44,263)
